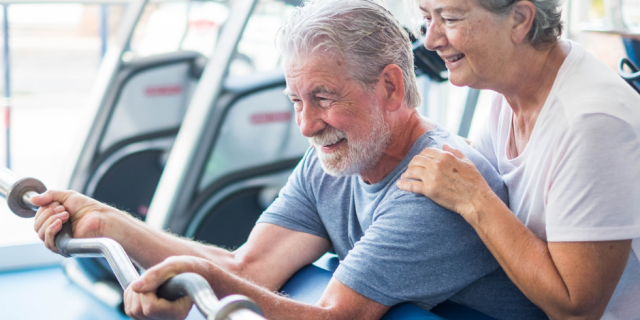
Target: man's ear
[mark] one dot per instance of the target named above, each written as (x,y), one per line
(393,87)
(522,15)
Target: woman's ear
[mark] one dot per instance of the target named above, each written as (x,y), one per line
(523,14)
(393,81)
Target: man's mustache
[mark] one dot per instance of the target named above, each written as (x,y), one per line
(327,136)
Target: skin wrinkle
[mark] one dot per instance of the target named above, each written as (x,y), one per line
(355,153)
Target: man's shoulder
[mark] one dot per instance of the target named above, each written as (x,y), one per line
(441,137)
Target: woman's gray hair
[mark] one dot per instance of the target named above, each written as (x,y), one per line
(547,25)
(362,32)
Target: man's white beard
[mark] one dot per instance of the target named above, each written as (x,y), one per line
(359,155)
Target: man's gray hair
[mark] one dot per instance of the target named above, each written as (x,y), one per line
(547,25)
(362,32)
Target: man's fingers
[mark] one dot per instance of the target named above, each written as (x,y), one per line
(64,216)
(132,306)
(50,196)
(50,235)
(157,275)
(42,199)
(149,306)
(43,214)
(154,306)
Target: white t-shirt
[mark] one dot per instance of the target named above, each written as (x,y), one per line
(578,178)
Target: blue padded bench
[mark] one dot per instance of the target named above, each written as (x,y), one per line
(308,284)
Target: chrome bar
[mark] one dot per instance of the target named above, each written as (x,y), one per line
(7,179)
(26,199)
(114,253)
(7,83)
(18,192)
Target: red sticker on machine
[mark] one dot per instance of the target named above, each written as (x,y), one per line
(270,117)
(163,90)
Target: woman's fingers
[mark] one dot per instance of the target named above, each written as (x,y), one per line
(454,151)
(411,186)
(445,176)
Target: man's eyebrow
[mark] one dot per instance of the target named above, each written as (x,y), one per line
(321,89)
(287,92)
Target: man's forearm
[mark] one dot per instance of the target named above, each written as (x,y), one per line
(273,305)
(148,247)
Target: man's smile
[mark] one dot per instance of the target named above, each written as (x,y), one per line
(328,148)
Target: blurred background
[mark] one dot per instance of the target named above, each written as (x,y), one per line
(55,51)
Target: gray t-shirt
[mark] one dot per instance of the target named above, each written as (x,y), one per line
(397,246)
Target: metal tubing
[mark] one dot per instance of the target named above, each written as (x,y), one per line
(7,180)
(104,29)
(174,188)
(112,251)
(7,83)
(18,192)
(26,199)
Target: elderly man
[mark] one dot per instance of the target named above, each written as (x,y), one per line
(349,73)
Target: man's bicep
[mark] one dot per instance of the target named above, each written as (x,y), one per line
(345,303)
(272,254)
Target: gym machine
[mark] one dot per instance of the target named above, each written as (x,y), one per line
(18,192)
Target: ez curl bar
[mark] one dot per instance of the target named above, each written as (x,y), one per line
(18,192)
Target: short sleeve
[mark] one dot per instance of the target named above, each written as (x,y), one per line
(594,186)
(415,251)
(295,208)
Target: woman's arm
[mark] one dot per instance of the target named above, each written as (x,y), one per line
(565,279)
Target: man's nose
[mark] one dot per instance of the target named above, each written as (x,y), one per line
(436,38)
(310,120)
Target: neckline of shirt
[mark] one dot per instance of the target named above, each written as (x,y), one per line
(574,54)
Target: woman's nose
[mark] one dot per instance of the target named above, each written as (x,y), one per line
(436,39)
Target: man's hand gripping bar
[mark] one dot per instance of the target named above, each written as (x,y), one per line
(18,192)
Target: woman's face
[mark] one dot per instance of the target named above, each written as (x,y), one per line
(475,44)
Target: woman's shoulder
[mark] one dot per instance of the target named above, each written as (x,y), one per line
(587,85)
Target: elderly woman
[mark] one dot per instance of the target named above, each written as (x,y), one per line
(563,134)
